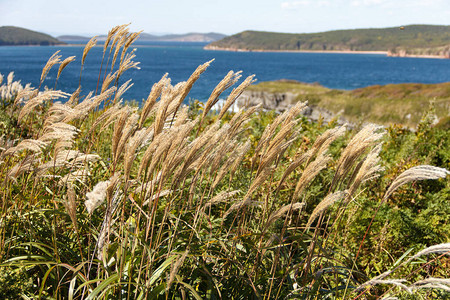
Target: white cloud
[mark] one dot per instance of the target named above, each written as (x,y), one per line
(291,5)
(324,3)
(368,2)
(295,4)
(426,2)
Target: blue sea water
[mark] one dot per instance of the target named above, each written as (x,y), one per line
(333,70)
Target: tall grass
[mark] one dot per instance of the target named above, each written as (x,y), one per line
(104,200)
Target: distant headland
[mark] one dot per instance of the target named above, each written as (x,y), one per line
(146,37)
(413,40)
(17,36)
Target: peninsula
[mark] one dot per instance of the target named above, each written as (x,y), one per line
(412,40)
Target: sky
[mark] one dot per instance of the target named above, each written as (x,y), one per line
(92,17)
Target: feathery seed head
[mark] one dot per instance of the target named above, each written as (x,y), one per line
(97,196)
(27,144)
(235,93)
(310,172)
(120,138)
(108,80)
(230,79)
(38,100)
(193,78)
(92,42)
(10,78)
(355,148)
(70,204)
(63,64)
(110,35)
(283,210)
(24,95)
(88,104)
(123,88)
(79,175)
(440,248)
(432,282)
(26,165)
(122,39)
(130,150)
(368,169)
(421,172)
(74,97)
(221,197)
(155,92)
(128,63)
(53,60)
(324,204)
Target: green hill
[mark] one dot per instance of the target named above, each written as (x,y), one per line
(10,35)
(414,39)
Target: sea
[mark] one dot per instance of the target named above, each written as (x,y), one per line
(179,59)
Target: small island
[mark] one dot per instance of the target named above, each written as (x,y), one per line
(16,36)
(412,40)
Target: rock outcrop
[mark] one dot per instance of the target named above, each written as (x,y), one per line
(283,101)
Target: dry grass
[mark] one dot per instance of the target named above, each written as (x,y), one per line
(154,191)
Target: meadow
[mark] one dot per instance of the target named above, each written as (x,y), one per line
(103,199)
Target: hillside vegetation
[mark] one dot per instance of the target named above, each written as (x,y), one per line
(104,200)
(390,104)
(16,36)
(435,39)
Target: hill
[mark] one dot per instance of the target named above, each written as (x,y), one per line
(188,37)
(412,39)
(145,37)
(73,38)
(10,35)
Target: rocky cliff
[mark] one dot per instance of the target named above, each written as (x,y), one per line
(282,101)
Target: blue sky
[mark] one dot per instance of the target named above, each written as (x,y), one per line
(89,17)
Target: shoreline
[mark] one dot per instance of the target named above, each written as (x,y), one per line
(386,53)
(214,48)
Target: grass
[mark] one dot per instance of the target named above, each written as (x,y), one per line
(406,102)
(105,200)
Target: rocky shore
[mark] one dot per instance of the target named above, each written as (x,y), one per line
(444,54)
(216,48)
(283,101)
(400,53)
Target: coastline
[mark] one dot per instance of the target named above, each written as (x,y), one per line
(386,53)
(418,56)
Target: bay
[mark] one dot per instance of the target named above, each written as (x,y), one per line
(333,70)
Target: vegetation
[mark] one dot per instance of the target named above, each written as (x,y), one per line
(406,101)
(103,200)
(436,39)
(15,36)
